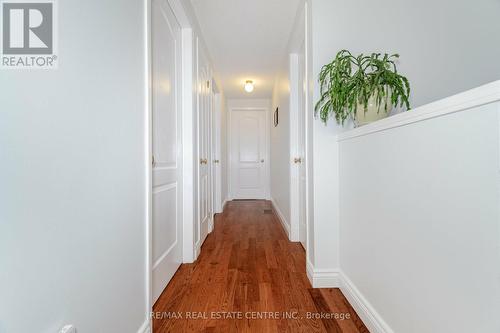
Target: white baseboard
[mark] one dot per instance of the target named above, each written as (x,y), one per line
(211,224)
(225,203)
(332,278)
(222,206)
(197,250)
(322,278)
(284,223)
(363,308)
(146,327)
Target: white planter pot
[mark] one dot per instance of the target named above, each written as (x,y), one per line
(373,112)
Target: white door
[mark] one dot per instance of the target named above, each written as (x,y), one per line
(166,146)
(210,130)
(204,148)
(301,143)
(217,172)
(248,154)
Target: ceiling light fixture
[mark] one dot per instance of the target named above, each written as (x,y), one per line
(249,86)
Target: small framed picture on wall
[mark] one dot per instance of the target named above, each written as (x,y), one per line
(276,117)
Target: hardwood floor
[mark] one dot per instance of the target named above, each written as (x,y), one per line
(250,278)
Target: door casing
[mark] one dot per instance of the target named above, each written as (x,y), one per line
(262,106)
(301,120)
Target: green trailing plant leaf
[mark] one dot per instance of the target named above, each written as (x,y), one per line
(349,81)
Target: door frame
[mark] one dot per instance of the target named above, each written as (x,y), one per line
(188,144)
(249,105)
(294,148)
(148,140)
(301,41)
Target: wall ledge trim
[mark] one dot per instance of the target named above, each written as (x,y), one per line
(370,317)
(482,95)
(281,218)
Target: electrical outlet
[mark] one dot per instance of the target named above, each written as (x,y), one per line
(68,329)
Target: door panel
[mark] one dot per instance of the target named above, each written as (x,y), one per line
(204,147)
(249,141)
(249,152)
(164,218)
(249,177)
(166,146)
(217,146)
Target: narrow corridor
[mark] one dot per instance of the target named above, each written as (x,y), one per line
(250,278)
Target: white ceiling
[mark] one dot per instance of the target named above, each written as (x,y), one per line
(246,40)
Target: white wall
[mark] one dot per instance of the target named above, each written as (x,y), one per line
(445,47)
(284,137)
(280,142)
(73,181)
(420,222)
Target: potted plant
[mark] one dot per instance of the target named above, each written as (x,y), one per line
(363,88)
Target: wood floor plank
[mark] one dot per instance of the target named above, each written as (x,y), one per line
(250,278)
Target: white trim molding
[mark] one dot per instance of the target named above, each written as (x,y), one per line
(281,218)
(211,224)
(482,95)
(370,317)
(322,278)
(224,203)
(188,152)
(333,278)
(148,140)
(146,326)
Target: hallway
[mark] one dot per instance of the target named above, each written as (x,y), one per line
(248,270)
